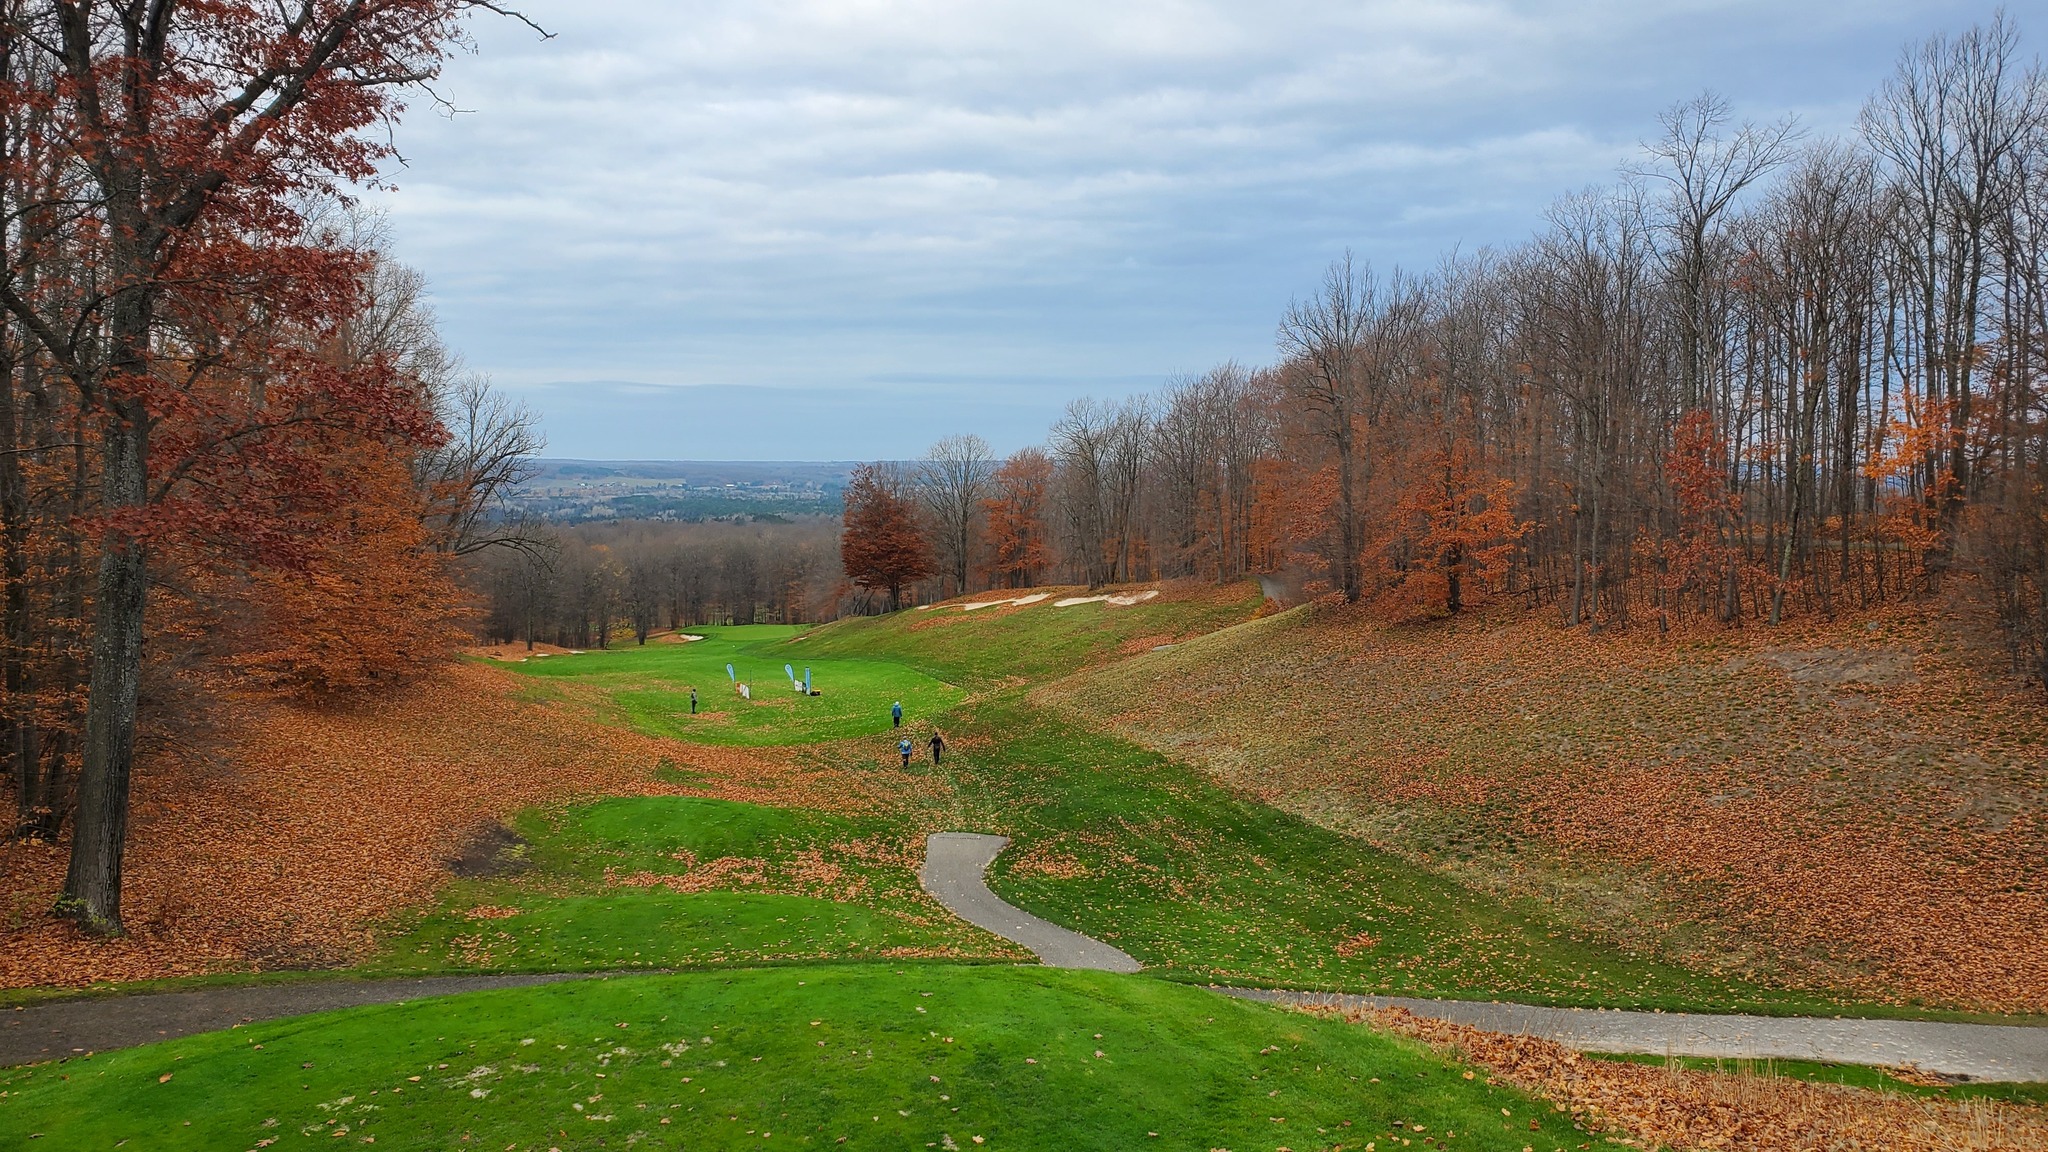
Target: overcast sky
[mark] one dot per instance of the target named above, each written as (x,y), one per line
(839,229)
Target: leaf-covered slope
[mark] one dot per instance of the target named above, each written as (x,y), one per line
(1856,804)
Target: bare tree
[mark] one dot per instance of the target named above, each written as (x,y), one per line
(492,443)
(1352,342)
(1184,458)
(953,480)
(1950,125)
(1706,165)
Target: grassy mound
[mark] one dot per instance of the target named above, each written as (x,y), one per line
(1201,883)
(859,1057)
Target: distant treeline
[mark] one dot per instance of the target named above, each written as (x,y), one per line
(588,585)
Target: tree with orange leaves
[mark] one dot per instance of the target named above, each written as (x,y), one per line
(1452,528)
(1016,519)
(882,545)
(373,601)
(1701,557)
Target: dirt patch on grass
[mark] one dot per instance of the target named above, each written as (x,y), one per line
(1833,667)
(492,850)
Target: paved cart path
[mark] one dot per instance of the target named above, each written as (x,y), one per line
(1968,1051)
(955,863)
(954,873)
(40,1032)
(954,868)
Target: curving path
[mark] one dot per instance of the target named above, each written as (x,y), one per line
(954,869)
(954,864)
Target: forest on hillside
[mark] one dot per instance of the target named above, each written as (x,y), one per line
(1764,373)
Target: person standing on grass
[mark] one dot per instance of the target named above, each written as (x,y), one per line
(693,699)
(904,748)
(896,714)
(938,745)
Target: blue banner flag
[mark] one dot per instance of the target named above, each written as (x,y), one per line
(731,675)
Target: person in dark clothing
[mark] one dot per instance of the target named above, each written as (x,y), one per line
(693,700)
(904,748)
(896,714)
(938,745)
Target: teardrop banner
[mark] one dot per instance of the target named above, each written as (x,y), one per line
(731,675)
(790,672)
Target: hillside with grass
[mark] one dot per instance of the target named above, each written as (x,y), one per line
(1852,804)
(1035,634)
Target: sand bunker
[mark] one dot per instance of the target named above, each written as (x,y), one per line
(1122,601)
(1018,602)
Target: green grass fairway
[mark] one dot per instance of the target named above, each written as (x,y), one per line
(649,687)
(853,1057)
(808,888)
(1039,642)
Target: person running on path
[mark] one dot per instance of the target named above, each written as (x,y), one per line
(693,699)
(938,743)
(896,714)
(905,748)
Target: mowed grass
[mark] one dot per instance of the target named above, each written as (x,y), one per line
(674,882)
(869,1057)
(648,687)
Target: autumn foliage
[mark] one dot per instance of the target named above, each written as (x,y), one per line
(369,600)
(210,408)
(1019,550)
(883,546)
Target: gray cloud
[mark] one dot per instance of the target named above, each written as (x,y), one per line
(806,198)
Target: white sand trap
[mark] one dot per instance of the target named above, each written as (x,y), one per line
(1123,601)
(1018,602)
(689,639)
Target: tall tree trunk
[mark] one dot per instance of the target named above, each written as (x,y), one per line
(1347,506)
(92,886)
